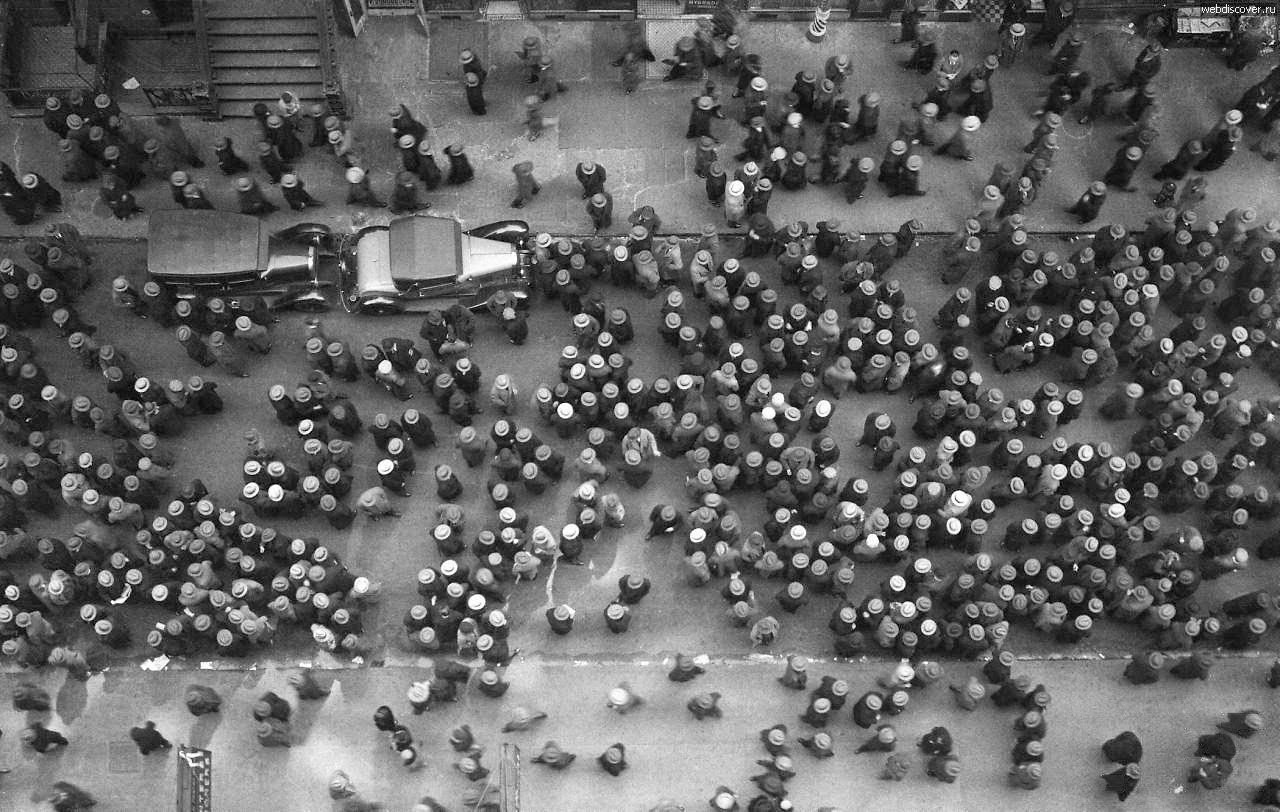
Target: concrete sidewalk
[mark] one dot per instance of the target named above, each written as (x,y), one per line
(670,754)
(639,138)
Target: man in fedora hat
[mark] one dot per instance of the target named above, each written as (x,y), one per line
(1145,67)
(961,143)
(704,110)
(1222,147)
(295,193)
(553,756)
(614,759)
(1123,781)
(592,176)
(526,185)
(271,162)
(174,138)
(1120,173)
(228,161)
(359,192)
(534,121)
(250,197)
(530,54)
(548,83)
(1090,203)
(473,86)
(404,197)
(685,61)
(600,210)
(148,738)
(402,122)
(41,192)
(470,63)
(560,618)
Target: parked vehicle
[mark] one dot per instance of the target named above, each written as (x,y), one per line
(412,264)
(421,263)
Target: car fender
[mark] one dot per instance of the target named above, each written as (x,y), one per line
(509,231)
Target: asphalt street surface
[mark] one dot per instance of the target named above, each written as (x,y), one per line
(568,675)
(639,139)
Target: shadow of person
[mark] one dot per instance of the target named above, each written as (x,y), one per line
(72,699)
(200,734)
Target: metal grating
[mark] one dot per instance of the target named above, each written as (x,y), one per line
(379,5)
(660,9)
(504,10)
(989,11)
(123,757)
(662,36)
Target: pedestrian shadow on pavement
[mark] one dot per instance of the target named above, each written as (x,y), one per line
(200,734)
(73,698)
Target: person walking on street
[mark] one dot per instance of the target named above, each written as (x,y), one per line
(250,197)
(600,210)
(548,83)
(359,192)
(473,86)
(42,739)
(530,54)
(173,138)
(1123,781)
(526,185)
(296,194)
(201,700)
(1120,174)
(148,738)
(1086,209)
(592,176)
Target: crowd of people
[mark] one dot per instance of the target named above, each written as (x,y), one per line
(769,338)
(139,538)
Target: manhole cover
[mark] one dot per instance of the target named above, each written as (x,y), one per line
(123,757)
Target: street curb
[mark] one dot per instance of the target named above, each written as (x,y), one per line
(560,661)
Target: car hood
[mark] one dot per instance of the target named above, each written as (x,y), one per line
(209,244)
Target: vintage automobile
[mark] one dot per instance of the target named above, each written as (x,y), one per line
(411,264)
(419,263)
(220,253)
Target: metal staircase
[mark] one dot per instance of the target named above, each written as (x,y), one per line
(257,50)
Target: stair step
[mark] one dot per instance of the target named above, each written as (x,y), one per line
(295,42)
(231,9)
(242,109)
(262,26)
(264,59)
(279,77)
(268,93)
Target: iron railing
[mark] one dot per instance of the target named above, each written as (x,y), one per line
(23,95)
(203,93)
(327,27)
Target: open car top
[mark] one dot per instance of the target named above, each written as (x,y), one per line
(205,246)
